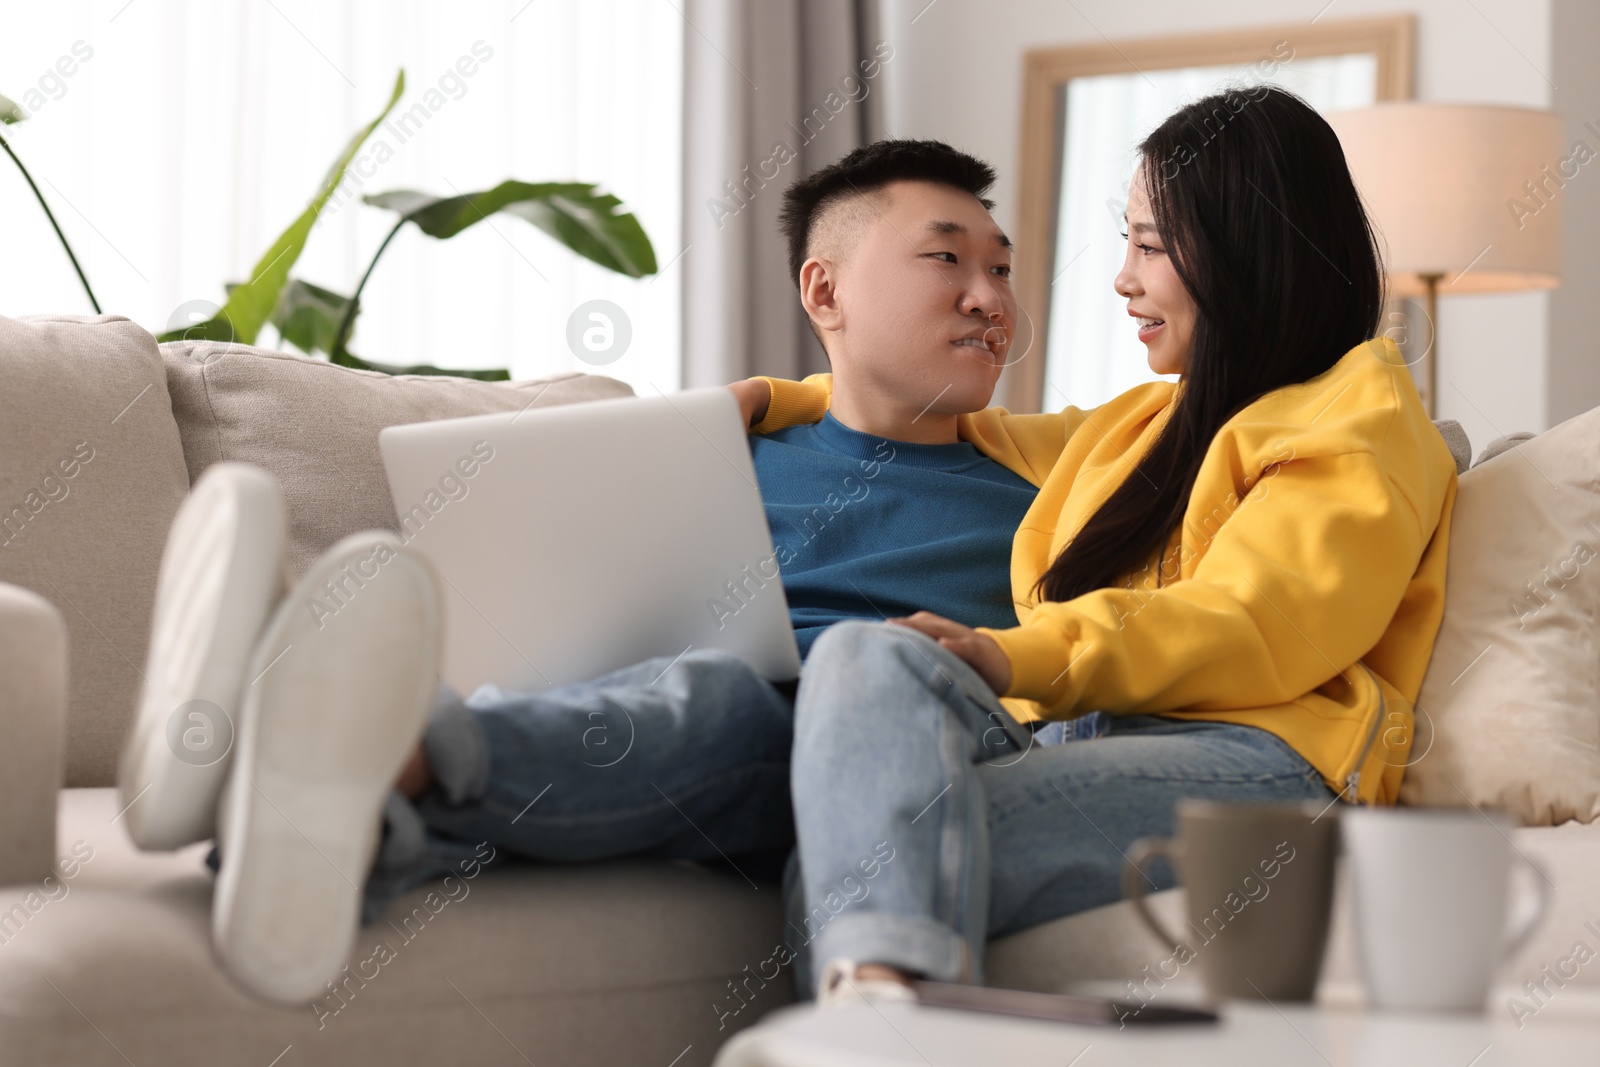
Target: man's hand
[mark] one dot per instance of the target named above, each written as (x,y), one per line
(753,395)
(980,650)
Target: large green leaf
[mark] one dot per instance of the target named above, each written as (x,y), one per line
(308,316)
(251,304)
(574,213)
(10,111)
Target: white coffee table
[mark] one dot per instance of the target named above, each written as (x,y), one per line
(1248,1033)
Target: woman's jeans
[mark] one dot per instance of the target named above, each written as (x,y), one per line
(930,821)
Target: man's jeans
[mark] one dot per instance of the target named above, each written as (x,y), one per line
(930,821)
(677,757)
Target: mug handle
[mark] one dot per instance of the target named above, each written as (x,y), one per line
(1140,853)
(1514,940)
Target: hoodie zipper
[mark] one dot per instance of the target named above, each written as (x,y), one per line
(1352,781)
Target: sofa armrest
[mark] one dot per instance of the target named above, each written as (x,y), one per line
(33,709)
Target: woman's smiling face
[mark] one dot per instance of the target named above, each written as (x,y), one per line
(1156,295)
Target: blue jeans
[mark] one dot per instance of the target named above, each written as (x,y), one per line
(929,820)
(676,757)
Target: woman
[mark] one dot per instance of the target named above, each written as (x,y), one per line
(1245,568)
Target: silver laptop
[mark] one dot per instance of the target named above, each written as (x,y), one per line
(578,539)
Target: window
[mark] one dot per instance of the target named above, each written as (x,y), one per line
(190,135)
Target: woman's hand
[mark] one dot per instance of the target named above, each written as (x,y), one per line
(753,395)
(980,650)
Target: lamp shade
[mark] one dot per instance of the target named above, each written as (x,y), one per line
(1469,192)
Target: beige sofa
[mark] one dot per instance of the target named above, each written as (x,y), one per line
(105,955)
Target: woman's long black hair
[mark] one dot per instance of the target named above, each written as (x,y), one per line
(1256,208)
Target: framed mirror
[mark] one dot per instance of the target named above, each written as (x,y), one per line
(1084,109)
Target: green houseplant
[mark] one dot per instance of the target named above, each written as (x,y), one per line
(314,319)
(10,114)
(318,320)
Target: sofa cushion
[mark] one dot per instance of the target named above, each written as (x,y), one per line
(93,474)
(603,963)
(1509,713)
(314,426)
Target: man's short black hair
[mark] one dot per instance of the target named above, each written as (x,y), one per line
(872,167)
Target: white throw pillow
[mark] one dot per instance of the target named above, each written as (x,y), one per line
(1508,716)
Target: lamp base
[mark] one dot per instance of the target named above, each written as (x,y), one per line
(1430,399)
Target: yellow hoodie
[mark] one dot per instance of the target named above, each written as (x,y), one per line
(1301,594)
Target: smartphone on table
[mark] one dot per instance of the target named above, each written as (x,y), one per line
(1056,1007)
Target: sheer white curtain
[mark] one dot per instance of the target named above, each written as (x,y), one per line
(193,133)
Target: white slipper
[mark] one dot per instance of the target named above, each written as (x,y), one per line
(221,571)
(337,697)
(840,986)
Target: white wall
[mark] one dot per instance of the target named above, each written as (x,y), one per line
(958,76)
(1574,377)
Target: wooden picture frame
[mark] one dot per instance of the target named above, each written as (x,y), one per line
(1046,73)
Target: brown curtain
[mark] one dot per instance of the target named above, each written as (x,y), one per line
(773,90)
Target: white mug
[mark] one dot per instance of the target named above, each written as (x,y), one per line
(1430,888)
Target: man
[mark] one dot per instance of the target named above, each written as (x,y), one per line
(876,510)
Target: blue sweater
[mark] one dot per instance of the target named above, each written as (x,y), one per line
(869,528)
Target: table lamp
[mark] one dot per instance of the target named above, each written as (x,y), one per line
(1466,198)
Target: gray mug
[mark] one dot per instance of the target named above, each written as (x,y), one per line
(1258,886)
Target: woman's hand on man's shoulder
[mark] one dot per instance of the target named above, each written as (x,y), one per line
(754,395)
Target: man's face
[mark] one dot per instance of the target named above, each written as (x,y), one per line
(924,309)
